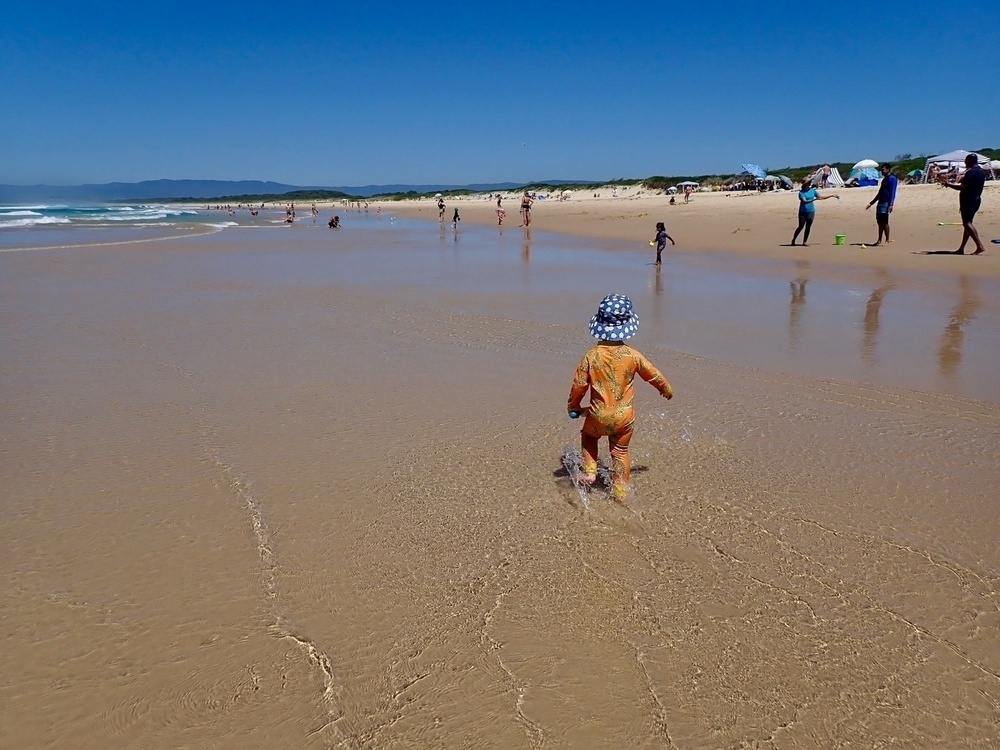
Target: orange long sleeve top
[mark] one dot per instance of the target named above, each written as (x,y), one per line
(607,371)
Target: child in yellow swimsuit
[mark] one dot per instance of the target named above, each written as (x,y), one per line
(607,371)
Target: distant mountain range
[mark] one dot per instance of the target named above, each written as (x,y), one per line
(204,189)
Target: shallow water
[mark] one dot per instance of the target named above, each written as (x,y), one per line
(296,487)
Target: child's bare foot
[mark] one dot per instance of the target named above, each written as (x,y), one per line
(980,251)
(588,478)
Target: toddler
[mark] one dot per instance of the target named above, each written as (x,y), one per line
(607,371)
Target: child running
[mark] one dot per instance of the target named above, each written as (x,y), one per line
(607,371)
(661,241)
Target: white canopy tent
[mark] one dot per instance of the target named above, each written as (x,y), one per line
(865,164)
(957,159)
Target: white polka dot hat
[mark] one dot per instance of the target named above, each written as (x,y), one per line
(615,319)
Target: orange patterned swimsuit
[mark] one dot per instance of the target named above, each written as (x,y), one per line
(607,372)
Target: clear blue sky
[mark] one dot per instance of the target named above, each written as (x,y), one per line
(350,94)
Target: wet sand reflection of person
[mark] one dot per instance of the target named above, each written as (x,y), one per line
(797,304)
(950,351)
(658,288)
(526,252)
(872,310)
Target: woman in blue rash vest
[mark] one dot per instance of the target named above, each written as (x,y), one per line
(808,196)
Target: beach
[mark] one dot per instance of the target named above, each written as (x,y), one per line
(296,487)
(755,224)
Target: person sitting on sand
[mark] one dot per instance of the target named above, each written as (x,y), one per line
(607,371)
(334,222)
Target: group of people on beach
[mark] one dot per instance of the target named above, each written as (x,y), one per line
(526,203)
(970,193)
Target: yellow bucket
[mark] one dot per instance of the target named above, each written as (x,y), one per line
(839,239)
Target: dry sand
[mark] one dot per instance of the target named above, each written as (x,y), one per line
(262,489)
(758,224)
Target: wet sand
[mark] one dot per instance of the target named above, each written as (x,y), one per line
(760,225)
(300,488)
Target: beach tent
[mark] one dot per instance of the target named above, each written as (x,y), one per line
(834,180)
(671,190)
(864,177)
(865,164)
(957,159)
(687,183)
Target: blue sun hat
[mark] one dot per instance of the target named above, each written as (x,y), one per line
(615,319)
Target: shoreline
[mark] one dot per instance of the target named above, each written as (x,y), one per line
(754,224)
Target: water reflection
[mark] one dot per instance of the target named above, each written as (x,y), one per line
(658,288)
(526,252)
(872,310)
(797,305)
(950,351)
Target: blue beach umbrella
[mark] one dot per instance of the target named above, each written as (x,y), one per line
(754,170)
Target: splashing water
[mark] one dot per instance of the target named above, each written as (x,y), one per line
(572,461)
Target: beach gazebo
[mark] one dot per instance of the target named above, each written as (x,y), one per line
(957,159)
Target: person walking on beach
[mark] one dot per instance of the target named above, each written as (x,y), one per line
(883,202)
(526,202)
(970,197)
(808,195)
(456,218)
(441,209)
(661,241)
(607,371)
(501,214)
